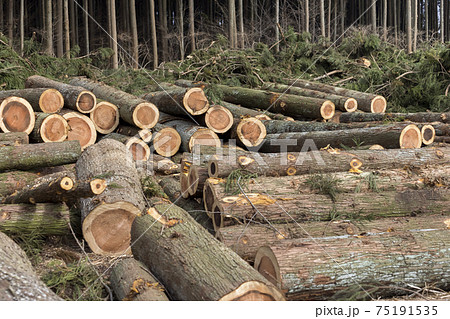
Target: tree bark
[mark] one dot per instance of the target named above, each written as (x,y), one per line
(192,134)
(41,99)
(146,135)
(367,102)
(322,18)
(14,138)
(277,23)
(180,8)
(132,281)
(241,24)
(162,13)
(408,26)
(240,111)
(374,15)
(22,25)
(12,181)
(191,24)
(19,281)
(164,251)
(75,97)
(442,10)
(48,28)
(197,176)
(86,26)
(385,18)
(16,115)
(154,37)
(158,164)
(49,128)
(276,126)
(59,29)
(132,110)
(134,34)
(307,16)
(107,218)
(115,56)
(414,117)
(25,157)
(66,29)
(105,117)
(81,128)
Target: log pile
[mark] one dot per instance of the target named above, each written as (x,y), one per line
(292,180)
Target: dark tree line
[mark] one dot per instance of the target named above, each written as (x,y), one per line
(143,32)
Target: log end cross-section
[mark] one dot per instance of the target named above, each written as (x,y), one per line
(81,128)
(51,101)
(166,142)
(105,117)
(86,102)
(195,101)
(251,131)
(218,119)
(411,137)
(378,104)
(145,115)
(16,115)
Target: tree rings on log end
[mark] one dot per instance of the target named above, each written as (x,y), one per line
(86,102)
(251,131)
(195,101)
(138,148)
(145,115)
(218,119)
(16,115)
(428,134)
(51,101)
(254,291)
(351,105)
(378,104)
(107,228)
(54,128)
(327,110)
(81,129)
(98,186)
(204,136)
(267,265)
(410,137)
(167,142)
(105,117)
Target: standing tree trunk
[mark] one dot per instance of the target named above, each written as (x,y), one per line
(115,56)
(385,18)
(162,12)
(241,24)
(153,31)
(414,12)
(307,16)
(22,26)
(374,15)
(408,26)
(329,20)
(442,21)
(134,34)
(48,28)
(191,24)
(426,21)
(86,25)
(181,27)
(277,23)
(322,17)
(395,22)
(59,29)
(231,22)
(66,29)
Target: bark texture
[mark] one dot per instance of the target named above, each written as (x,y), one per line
(41,99)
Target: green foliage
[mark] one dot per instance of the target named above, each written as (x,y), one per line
(239,175)
(151,188)
(324,184)
(31,243)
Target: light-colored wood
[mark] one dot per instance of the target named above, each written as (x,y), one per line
(218,119)
(49,128)
(105,117)
(16,115)
(81,128)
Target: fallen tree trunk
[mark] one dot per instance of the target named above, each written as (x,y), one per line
(13,138)
(49,128)
(41,99)
(249,132)
(105,117)
(132,281)
(166,140)
(179,101)
(138,148)
(367,102)
(336,268)
(285,164)
(291,105)
(192,134)
(107,218)
(75,97)
(218,119)
(275,126)
(158,164)
(81,128)
(16,115)
(145,134)
(442,139)
(15,180)
(240,112)
(342,103)
(26,157)
(132,109)
(421,117)
(19,281)
(166,246)
(39,220)
(388,136)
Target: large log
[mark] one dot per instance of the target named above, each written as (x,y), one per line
(240,111)
(26,157)
(285,164)
(15,180)
(276,126)
(295,106)
(105,117)
(41,99)
(180,252)
(40,219)
(19,281)
(414,117)
(132,109)
(13,138)
(138,148)
(367,102)
(218,119)
(166,140)
(75,97)
(342,103)
(249,132)
(16,115)
(49,128)
(197,177)
(179,101)
(81,128)
(384,263)
(388,136)
(132,281)
(192,134)
(107,218)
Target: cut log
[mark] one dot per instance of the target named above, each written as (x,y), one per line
(49,128)
(336,267)
(166,235)
(218,119)
(239,112)
(342,103)
(132,281)
(166,140)
(196,178)
(143,134)
(15,180)
(13,138)
(105,117)
(41,99)
(138,148)
(39,220)
(157,164)
(428,133)
(367,102)
(298,107)
(81,128)
(249,132)
(414,117)
(388,136)
(442,139)
(16,115)
(26,157)
(132,109)
(285,164)
(107,218)
(275,126)
(75,97)
(192,134)
(179,101)
(19,281)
